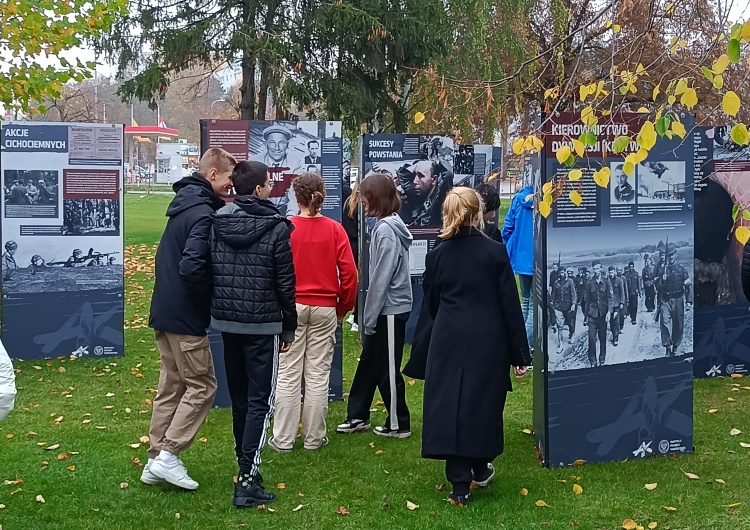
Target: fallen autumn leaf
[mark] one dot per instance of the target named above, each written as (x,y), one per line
(651,487)
(411,506)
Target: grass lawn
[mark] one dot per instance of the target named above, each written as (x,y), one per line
(70,439)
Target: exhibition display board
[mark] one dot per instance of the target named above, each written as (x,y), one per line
(424,168)
(722,314)
(288,148)
(62,235)
(613,309)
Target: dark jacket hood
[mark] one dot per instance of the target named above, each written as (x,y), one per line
(193,191)
(523,194)
(244,222)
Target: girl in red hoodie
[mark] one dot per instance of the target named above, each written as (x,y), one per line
(326,290)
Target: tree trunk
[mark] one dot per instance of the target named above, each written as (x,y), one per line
(247,89)
(265,73)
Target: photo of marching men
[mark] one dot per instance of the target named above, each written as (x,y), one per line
(620,305)
(30,187)
(289,149)
(661,182)
(423,182)
(724,146)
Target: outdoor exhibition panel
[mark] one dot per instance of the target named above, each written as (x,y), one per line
(424,168)
(288,148)
(614,281)
(722,314)
(62,267)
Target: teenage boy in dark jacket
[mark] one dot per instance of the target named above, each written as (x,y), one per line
(254,308)
(180,318)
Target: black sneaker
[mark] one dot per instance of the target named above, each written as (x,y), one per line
(391,433)
(484,477)
(248,492)
(458,500)
(353,425)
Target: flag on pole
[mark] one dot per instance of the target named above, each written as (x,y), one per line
(161,123)
(134,123)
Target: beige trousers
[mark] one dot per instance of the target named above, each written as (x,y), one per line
(187,386)
(310,357)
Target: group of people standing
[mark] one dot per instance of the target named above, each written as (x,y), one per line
(276,288)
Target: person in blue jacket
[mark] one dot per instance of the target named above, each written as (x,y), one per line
(518,236)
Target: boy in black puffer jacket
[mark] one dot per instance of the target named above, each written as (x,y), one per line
(254,308)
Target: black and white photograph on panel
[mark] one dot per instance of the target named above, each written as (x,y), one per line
(463,166)
(661,182)
(57,264)
(619,297)
(31,193)
(724,147)
(622,187)
(91,217)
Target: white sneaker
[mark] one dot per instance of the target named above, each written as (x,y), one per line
(350,320)
(174,472)
(355,328)
(147,477)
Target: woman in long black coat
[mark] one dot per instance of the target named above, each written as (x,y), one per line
(478,335)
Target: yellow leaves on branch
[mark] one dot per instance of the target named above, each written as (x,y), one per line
(588,117)
(563,153)
(575,198)
(689,98)
(731,103)
(529,143)
(742,233)
(602,176)
(419,117)
(678,129)
(578,147)
(545,209)
(720,64)
(647,137)
(575,174)
(740,134)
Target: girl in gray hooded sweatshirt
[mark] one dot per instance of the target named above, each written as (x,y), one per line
(387,308)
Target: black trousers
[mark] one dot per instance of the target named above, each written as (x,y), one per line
(633,306)
(460,471)
(650,294)
(615,322)
(380,367)
(597,330)
(251,363)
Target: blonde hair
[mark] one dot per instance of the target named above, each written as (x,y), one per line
(216,158)
(352,202)
(462,207)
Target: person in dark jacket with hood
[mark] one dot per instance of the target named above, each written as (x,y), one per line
(746,271)
(518,234)
(254,308)
(478,335)
(180,318)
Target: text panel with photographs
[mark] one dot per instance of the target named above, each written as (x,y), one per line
(421,167)
(722,326)
(62,267)
(616,303)
(289,149)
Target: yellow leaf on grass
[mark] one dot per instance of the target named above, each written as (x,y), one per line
(40,499)
(541,504)
(713,411)
(203,440)
(651,487)
(745,445)
(524,492)
(545,209)
(299,507)
(280,486)
(720,481)
(124,485)
(691,476)
(575,174)
(518,146)
(652,525)
(418,117)
(735,432)
(575,198)
(678,128)
(736,376)
(71,468)
(601,178)
(527,431)
(734,505)
(379,452)
(731,399)
(563,154)
(411,506)
(577,489)
(629,524)
(579,462)
(670,508)
(578,147)
(730,103)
